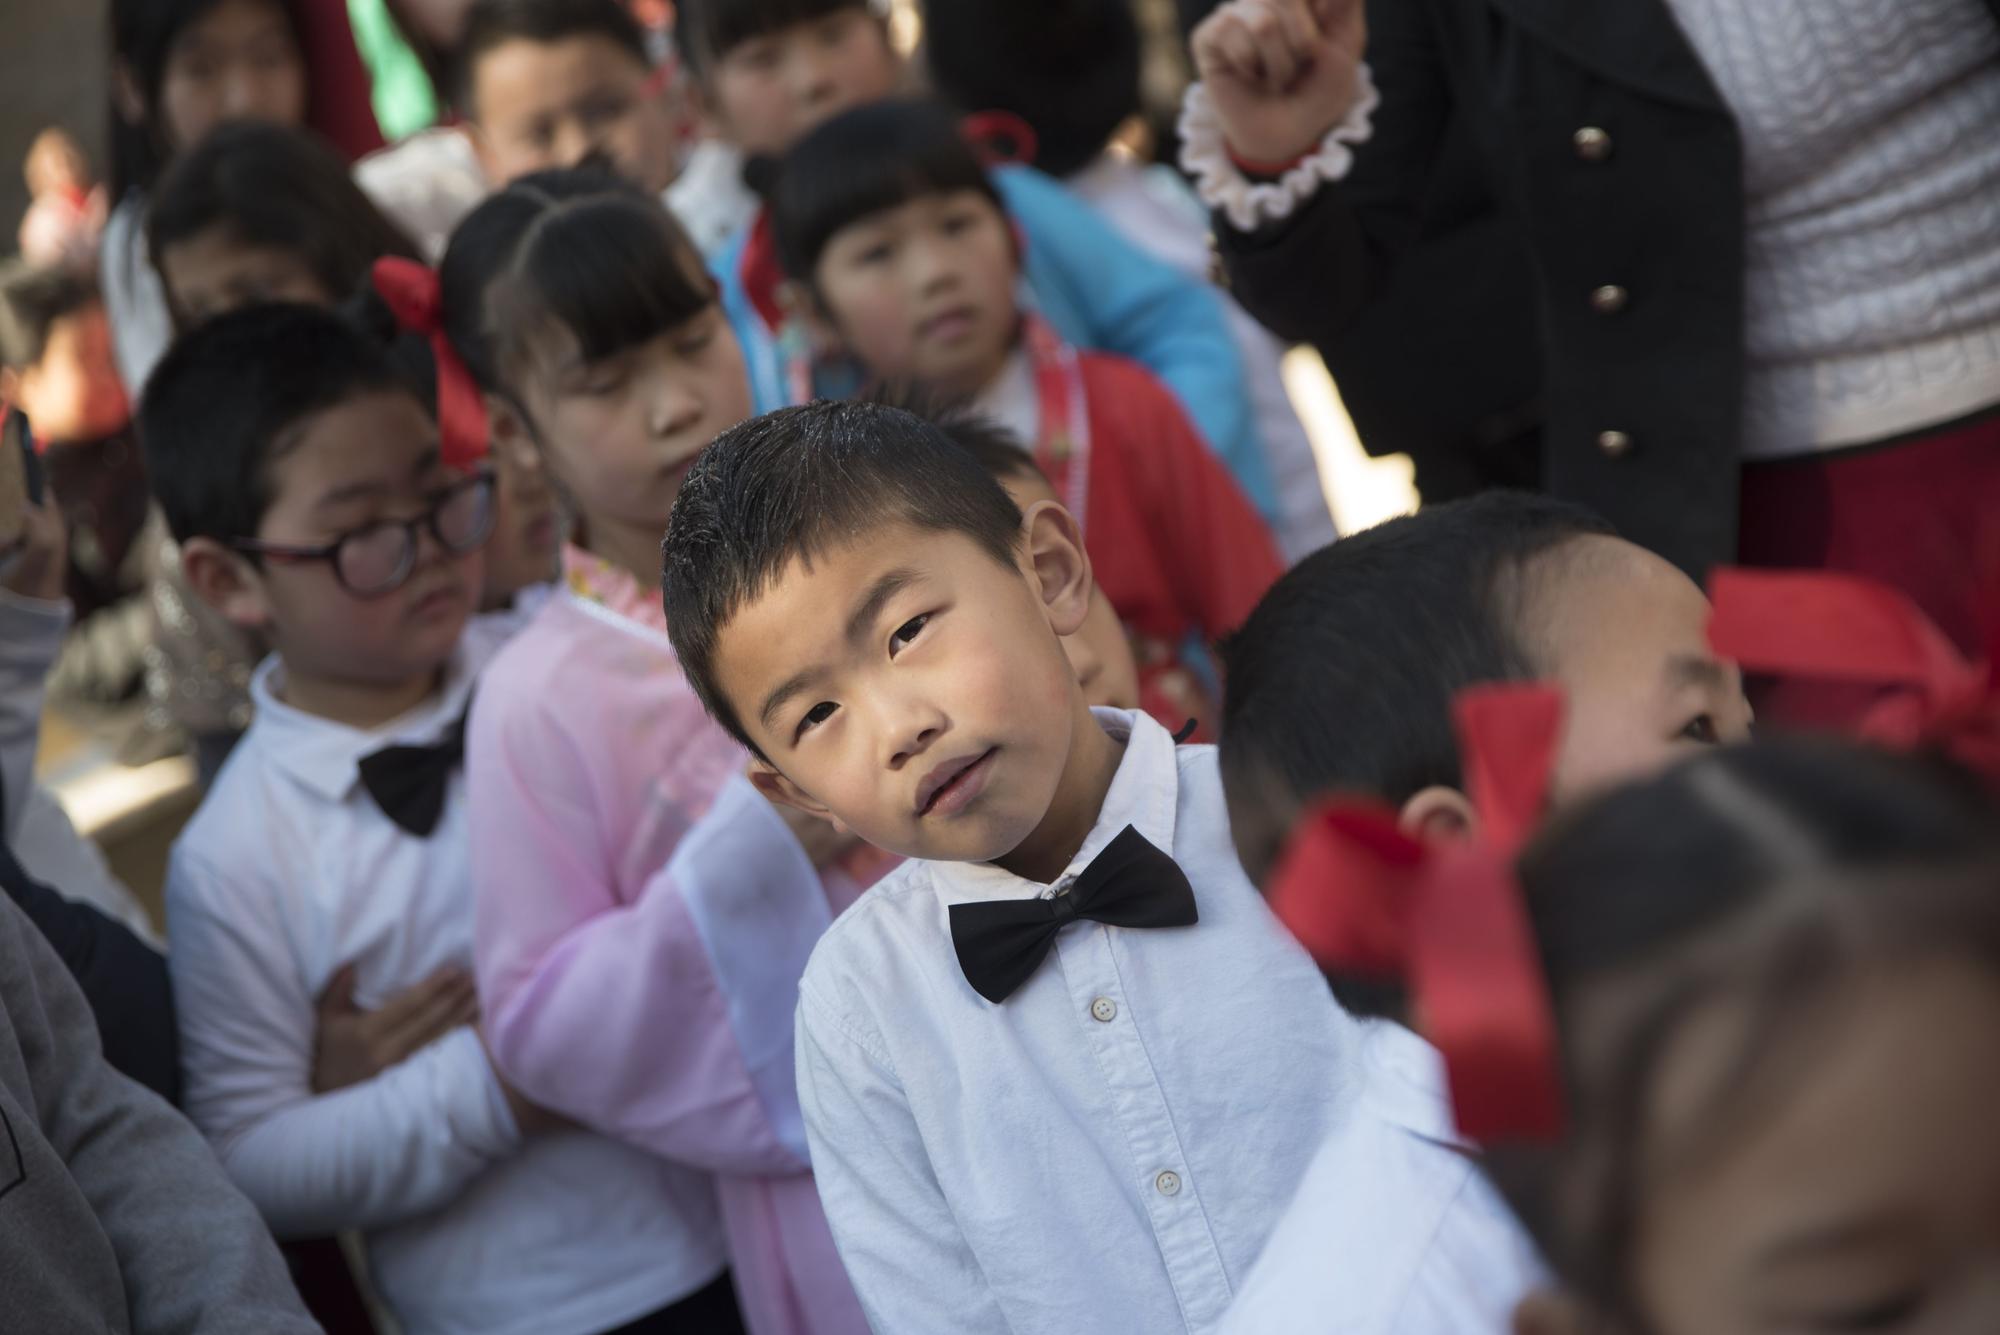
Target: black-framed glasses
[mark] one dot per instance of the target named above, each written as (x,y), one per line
(378,558)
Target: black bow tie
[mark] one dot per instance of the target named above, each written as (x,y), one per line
(1001,942)
(409,782)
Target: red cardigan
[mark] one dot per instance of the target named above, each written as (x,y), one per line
(1177,549)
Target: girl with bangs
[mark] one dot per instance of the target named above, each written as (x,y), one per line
(643,913)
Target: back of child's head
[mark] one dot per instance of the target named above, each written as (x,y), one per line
(1343,677)
(866,161)
(261,186)
(145,35)
(1697,931)
(33,298)
(800,481)
(707,30)
(492,24)
(1069,69)
(573,264)
(228,400)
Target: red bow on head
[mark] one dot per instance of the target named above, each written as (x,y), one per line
(412,294)
(1448,918)
(1847,628)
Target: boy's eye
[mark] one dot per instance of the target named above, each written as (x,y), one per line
(878,253)
(695,344)
(908,631)
(955,223)
(1702,729)
(815,716)
(758,56)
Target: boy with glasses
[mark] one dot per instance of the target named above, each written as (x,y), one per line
(304,483)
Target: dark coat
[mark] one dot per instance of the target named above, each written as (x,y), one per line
(1604,138)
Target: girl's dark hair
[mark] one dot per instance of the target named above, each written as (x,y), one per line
(578,250)
(143,33)
(1069,68)
(708,30)
(273,185)
(864,161)
(1762,874)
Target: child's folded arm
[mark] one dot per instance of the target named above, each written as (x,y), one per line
(402,1144)
(667,1022)
(896,1233)
(1101,292)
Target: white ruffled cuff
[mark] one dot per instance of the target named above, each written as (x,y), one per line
(1249,204)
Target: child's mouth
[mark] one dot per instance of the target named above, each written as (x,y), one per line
(957,783)
(949,327)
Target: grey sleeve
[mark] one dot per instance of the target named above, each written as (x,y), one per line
(195,1257)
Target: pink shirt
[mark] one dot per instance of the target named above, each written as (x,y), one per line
(643,917)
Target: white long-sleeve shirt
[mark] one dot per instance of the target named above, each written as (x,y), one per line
(288,871)
(1106,1150)
(1394,1230)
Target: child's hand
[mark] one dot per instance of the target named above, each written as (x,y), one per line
(1280,73)
(353,1045)
(34,565)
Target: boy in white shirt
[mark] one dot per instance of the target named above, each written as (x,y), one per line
(304,483)
(1062,1070)
(1502,586)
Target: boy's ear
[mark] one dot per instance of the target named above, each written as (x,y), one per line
(776,788)
(805,306)
(1058,565)
(226,582)
(10,385)
(1437,814)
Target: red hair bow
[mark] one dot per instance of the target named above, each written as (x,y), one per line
(1001,138)
(1846,628)
(1448,918)
(413,295)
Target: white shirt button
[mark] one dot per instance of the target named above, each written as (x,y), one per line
(1614,444)
(1104,1010)
(1168,1183)
(1609,299)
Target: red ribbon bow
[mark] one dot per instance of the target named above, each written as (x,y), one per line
(1448,918)
(413,295)
(1851,629)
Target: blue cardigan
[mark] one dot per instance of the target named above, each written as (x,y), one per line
(1097,291)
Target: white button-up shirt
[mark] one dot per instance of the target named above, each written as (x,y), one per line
(288,871)
(1107,1150)
(1395,1231)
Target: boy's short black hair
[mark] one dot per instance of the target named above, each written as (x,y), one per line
(998,450)
(866,160)
(797,482)
(275,186)
(224,405)
(708,30)
(32,299)
(494,23)
(1342,679)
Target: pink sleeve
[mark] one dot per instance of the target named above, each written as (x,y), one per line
(627,1016)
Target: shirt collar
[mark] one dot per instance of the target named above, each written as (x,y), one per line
(1144,793)
(326,756)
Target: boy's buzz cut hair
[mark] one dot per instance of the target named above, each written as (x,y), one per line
(32,299)
(493,23)
(226,402)
(798,482)
(708,30)
(1342,678)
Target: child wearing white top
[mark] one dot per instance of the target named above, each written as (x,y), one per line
(1501,586)
(304,482)
(1062,1070)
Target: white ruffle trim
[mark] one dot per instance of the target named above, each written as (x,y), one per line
(1249,204)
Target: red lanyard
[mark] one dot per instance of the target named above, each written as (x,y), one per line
(1062,447)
